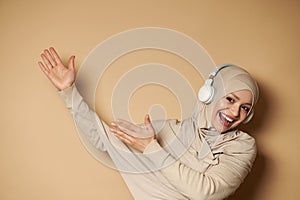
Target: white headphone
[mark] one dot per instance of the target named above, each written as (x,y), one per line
(207,92)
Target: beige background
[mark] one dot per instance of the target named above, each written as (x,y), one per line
(41,156)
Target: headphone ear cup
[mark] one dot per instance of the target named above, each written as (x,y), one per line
(206,93)
(249,117)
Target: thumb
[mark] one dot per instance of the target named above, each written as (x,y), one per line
(149,126)
(72,62)
(147,120)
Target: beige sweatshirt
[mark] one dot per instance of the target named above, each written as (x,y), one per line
(169,168)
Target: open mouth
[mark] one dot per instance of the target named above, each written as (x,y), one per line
(226,120)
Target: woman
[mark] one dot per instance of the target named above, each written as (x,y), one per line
(202,157)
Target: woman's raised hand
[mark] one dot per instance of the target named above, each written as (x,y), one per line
(61,76)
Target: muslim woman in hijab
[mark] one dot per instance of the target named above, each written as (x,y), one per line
(202,157)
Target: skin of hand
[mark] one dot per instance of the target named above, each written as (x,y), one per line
(61,76)
(133,135)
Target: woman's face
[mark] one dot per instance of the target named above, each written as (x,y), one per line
(231,110)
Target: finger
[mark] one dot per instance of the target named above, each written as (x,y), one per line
(123,136)
(49,57)
(55,55)
(114,125)
(126,125)
(125,140)
(128,128)
(43,68)
(117,129)
(135,131)
(114,128)
(46,61)
(147,119)
(124,129)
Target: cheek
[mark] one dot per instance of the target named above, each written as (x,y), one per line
(214,120)
(220,105)
(243,116)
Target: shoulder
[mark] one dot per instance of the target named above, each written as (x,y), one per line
(245,139)
(238,141)
(238,135)
(238,147)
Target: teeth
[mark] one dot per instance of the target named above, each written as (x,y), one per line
(227,118)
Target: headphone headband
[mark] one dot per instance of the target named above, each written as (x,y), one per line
(217,69)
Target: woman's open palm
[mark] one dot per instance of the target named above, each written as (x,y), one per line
(61,76)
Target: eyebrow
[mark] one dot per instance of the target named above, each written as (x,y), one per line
(238,98)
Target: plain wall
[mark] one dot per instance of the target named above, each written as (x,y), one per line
(41,156)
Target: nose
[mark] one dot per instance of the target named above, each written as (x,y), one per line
(235,110)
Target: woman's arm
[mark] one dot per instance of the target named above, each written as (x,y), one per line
(63,77)
(86,119)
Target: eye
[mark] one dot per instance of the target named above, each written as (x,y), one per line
(246,108)
(230,100)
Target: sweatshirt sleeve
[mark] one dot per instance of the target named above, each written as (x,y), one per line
(85,118)
(97,138)
(219,181)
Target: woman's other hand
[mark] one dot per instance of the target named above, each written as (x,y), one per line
(135,136)
(61,76)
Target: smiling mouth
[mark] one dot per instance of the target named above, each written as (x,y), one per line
(225,120)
